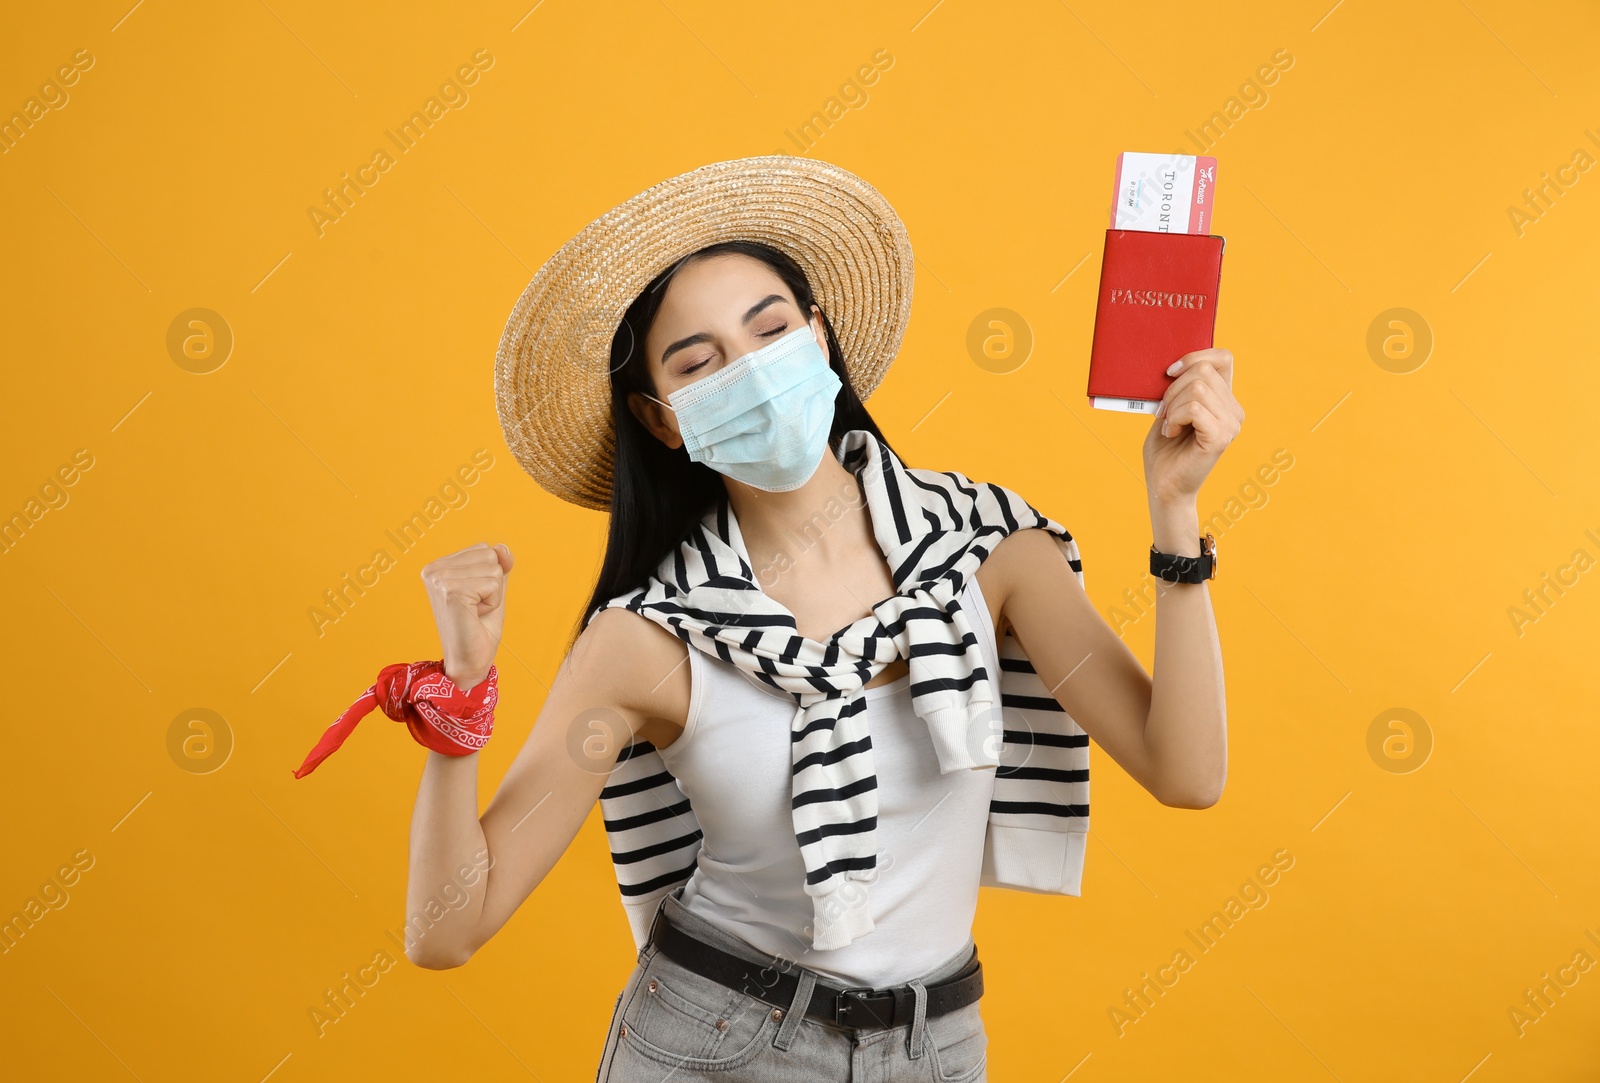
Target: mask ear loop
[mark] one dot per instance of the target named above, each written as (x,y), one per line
(652,398)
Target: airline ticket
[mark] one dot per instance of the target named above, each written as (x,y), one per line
(1160,193)
(1164,193)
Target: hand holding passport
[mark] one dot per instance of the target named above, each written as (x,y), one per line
(1158,279)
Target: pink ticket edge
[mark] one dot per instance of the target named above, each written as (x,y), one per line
(1116,190)
(1200,214)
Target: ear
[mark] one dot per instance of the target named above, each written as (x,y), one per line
(821,333)
(652,416)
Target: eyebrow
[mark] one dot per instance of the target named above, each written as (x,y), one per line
(751,313)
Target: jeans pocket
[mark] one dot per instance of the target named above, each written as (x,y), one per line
(959,1044)
(690,1022)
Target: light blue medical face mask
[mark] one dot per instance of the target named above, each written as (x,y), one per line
(765,419)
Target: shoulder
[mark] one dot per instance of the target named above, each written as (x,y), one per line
(640,662)
(1026,551)
(1023,557)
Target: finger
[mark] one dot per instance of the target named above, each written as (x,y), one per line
(454,584)
(494,597)
(472,562)
(482,553)
(1208,386)
(506,563)
(1222,359)
(1202,370)
(1182,414)
(476,590)
(1192,371)
(1169,425)
(1224,407)
(1208,427)
(1171,399)
(1183,389)
(1219,390)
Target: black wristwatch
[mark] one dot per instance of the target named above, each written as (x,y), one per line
(1176,569)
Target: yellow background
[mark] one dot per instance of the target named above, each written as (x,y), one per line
(1376,573)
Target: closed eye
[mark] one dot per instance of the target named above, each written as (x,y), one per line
(760,334)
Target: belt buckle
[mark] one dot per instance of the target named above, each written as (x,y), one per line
(847,999)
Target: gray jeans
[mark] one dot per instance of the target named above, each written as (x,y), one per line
(671,1025)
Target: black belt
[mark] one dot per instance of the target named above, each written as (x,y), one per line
(843,1007)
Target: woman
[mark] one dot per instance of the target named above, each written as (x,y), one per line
(834,845)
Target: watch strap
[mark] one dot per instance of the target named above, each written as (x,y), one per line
(1181,569)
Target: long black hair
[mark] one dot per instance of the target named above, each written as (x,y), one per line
(658,493)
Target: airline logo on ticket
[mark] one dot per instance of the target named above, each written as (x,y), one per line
(1164,193)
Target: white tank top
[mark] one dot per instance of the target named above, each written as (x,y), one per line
(733,762)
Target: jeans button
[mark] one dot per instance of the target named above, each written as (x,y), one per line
(777,1013)
(722,1024)
(652,985)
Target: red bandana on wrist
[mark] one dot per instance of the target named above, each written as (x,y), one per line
(440,716)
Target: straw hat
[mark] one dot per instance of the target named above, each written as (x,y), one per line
(552,381)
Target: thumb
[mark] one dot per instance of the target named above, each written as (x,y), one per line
(503,554)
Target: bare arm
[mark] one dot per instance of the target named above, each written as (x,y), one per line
(1169,731)
(534,816)
(468,874)
(1186,733)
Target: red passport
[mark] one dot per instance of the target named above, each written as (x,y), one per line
(1158,301)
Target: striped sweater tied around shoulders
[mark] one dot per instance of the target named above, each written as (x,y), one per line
(935,529)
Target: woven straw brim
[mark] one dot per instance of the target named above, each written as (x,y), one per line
(552,381)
